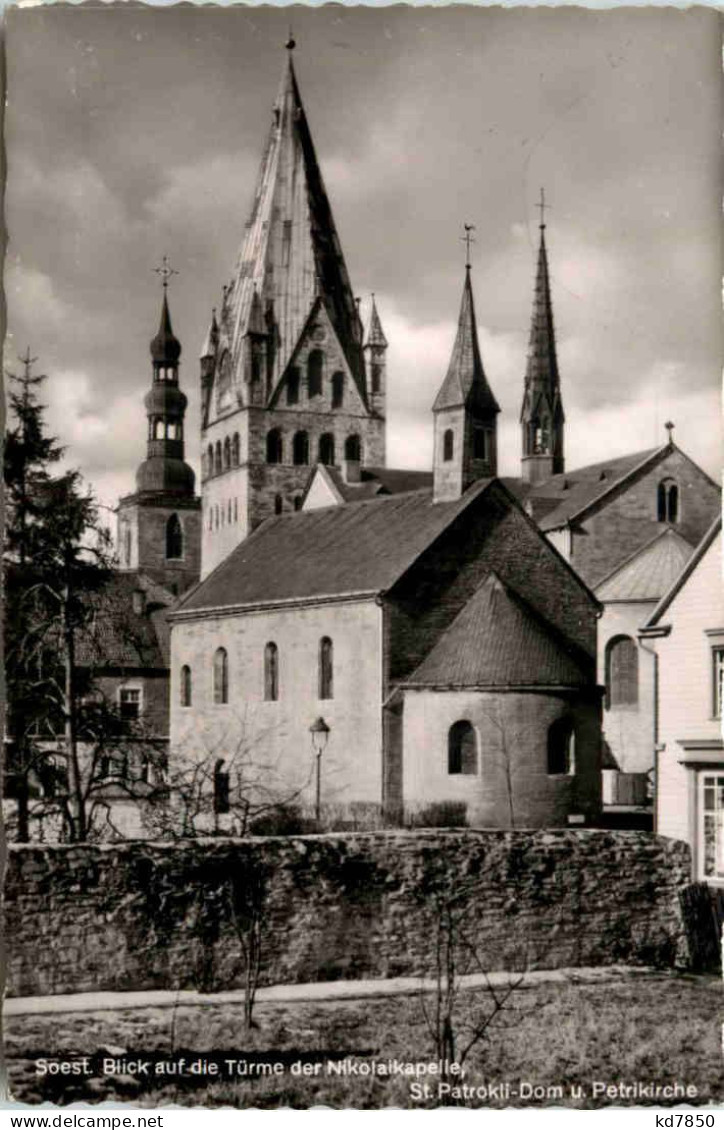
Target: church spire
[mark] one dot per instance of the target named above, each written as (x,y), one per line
(542,417)
(291,257)
(465,409)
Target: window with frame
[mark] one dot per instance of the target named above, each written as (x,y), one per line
(622,672)
(462,749)
(717,661)
(271,672)
(221,677)
(129,703)
(186,685)
(448,445)
(667,501)
(326,668)
(711,825)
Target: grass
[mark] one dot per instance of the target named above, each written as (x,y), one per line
(660,1029)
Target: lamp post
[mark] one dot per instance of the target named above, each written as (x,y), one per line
(320,736)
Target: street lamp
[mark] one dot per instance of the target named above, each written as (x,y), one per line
(320,736)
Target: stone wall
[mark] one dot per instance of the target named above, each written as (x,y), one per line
(147,915)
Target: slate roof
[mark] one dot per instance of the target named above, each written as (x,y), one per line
(542,363)
(700,551)
(465,383)
(375,481)
(375,333)
(497,639)
(572,492)
(362,547)
(121,637)
(649,572)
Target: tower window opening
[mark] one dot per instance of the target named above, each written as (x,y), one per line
(315,369)
(235,450)
(376,378)
(210,460)
(274,446)
(159,430)
(227,453)
(480,443)
(300,449)
(337,390)
(217,458)
(326,449)
(278,504)
(353,449)
(185,685)
(668,501)
(448,445)
(462,749)
(174,538)
(293,387)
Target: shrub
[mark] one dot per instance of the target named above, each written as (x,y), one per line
(440,814)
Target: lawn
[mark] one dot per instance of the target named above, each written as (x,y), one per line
(658,1030)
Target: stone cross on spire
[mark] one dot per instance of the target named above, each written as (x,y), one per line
(542,205)
(467,239)
(165,271)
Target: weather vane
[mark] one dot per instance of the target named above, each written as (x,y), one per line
(467,239)
(542,205)
(165,272)
(669,425)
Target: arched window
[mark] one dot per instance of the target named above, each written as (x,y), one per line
(210,460)
(353,449)
(278,504)
(561,748)
(174,538)
(622,672)
(221,676)
(160,429)
(462,749)
(326,449)
(271,672)
(337,390)
(315,367)
(376,378)
(185,685)
(274,446)
(448,445)
(297,502)
(300,449)
(326,668)
(227,453)
(127,542)
(668,501)
(293,386)
(217,458)
(235,450)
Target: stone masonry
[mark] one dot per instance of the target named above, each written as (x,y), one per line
(150,916)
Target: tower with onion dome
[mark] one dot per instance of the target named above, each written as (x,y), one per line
(159,525)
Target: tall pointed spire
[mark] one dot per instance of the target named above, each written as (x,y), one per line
(465,384)
(291,255)
(375,333)
(542,415)
(465,409)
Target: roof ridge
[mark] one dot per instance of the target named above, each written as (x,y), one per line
(673,590)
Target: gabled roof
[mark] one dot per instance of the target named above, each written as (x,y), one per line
(119,635)
(359,548)
(571,493)
(378,480)
(496,640)
(291,252)
(704,545)
(465,384)
(649,572)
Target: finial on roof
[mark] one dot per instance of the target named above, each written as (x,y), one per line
(165,271)
(669,425)
(467,239)
(542,205)
(291,42)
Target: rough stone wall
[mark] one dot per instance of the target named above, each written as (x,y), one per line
(610,534)
(143,916)
(148,519)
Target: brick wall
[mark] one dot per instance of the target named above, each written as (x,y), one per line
(142,916)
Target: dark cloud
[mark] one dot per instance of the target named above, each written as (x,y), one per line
(134,132)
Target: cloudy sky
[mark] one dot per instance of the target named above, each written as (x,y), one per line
(137,132)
